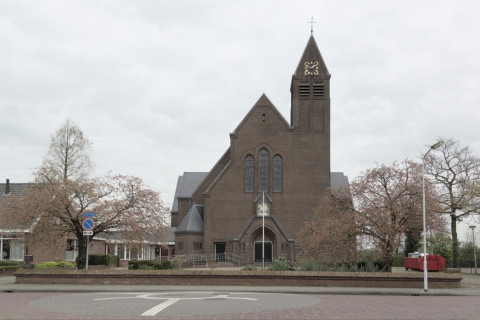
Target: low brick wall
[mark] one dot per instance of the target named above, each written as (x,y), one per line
(7,273)
(239,278)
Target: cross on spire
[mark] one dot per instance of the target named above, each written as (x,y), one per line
(311,24)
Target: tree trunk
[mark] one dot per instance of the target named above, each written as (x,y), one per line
(82,252)
(453,226)
(388,257)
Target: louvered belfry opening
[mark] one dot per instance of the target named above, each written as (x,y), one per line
(318,89)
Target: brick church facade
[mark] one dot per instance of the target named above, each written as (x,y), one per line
(273,173)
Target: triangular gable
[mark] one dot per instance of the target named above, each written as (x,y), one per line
(311,53)
(263,101)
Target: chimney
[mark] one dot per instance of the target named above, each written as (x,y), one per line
(7,187)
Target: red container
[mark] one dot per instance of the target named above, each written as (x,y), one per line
(434,263)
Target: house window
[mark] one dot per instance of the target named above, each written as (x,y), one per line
(72,249)
(11,248)
(249,174)
(180,246)
(123,252)
(134,253)
(197,245)
(277,173)
(263,170)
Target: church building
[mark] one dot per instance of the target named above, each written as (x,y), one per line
(268,181)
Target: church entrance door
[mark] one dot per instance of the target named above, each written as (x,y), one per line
(220,250)
(268,251)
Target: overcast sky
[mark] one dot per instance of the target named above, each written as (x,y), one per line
(157,86)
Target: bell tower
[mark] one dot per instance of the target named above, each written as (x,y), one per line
(310,91)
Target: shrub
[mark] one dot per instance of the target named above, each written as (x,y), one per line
(108,260)
(58,263)
(47,264)
(152,264)
(281,264)
(9,265)
(398,260)
(166,265)
(250,268)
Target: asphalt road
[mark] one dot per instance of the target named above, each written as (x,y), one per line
(232,305)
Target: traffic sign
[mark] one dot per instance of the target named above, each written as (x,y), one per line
(88,233)
(89,214)
(88,224)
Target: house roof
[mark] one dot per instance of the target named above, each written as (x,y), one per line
(17,189)
(120,237)
(338,180)
(186,186)
(193,221)
(7,224)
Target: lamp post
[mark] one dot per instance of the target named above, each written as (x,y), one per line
(425,265)
(474,250)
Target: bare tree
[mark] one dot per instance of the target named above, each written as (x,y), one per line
(68,155)
(330,234)
(387,204)
(122,204)
(456,172)
(64,192)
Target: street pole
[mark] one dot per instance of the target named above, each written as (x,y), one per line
(425,264)
(263,231)
(88,244)
(474,247)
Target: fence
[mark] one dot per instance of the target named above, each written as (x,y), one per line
(204,258)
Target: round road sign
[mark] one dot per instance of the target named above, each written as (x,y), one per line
(88,224)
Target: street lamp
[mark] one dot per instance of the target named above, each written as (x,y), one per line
(425,269)
(474,251)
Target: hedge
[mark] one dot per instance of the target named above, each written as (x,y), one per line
(108,260)
(152,264)
(9,265)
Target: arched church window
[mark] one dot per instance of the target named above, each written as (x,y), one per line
(263,170)
(249,174)
(277,173)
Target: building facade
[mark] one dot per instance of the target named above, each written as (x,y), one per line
(269,180)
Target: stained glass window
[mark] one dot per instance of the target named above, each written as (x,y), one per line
(263,170)
(277,173)
(249,174)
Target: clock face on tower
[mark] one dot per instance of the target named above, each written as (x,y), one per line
(311,68)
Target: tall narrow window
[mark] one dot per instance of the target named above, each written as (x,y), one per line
(249,174)
(263,170)
(277,173)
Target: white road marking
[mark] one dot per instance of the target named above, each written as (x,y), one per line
(169,301)
(159,308)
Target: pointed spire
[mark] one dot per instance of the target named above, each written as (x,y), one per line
(312,53)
